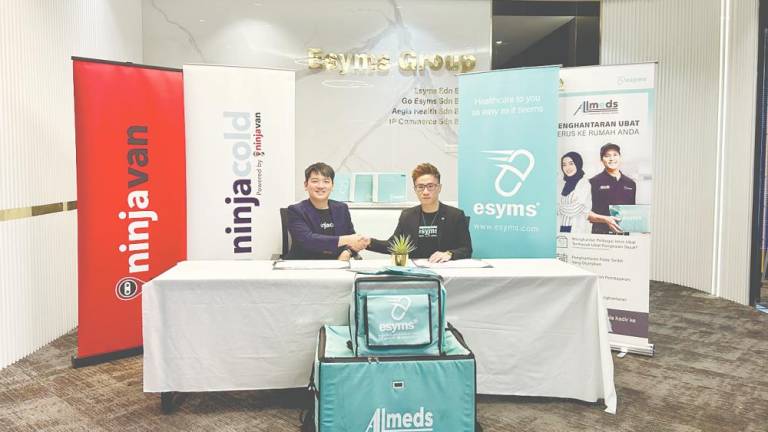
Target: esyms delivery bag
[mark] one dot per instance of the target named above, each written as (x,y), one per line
(404,393)
(397,315)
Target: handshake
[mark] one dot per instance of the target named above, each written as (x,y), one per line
(356,242)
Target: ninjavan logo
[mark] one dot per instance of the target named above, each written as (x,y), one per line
(128,288)
(520,175)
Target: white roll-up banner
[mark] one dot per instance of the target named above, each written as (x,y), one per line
(240,159)
(605,147)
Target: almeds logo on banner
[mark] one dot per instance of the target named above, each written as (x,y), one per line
(507,154)
(398,320)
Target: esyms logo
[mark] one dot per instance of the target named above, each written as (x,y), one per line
(400,307)
(517,166)
(383,421)
(509,157)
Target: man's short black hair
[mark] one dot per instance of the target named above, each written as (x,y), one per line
(319,168)
(609,146)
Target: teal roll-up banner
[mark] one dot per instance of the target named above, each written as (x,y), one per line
(507,157)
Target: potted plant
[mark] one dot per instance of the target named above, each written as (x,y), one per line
(400,246)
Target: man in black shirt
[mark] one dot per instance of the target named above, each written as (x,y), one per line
(609,187)
(321,228)
(439,231)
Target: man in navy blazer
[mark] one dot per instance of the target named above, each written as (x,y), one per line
(322,228)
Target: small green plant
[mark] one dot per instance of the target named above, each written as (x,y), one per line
(401,245)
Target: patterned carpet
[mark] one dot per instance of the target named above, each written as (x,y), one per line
(710,373)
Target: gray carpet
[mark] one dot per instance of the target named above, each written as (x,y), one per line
(710,373)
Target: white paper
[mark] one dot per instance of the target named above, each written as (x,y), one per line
(370,264)
(462,263)
(311,265)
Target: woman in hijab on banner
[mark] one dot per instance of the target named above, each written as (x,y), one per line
(575,196)
(438,231)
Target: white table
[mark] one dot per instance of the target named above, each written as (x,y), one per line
(538,327)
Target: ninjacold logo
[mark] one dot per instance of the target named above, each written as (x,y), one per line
(592,107)
(243,203)
(517,166)
(383,421)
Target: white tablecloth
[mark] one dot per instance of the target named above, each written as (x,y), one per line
(538,327)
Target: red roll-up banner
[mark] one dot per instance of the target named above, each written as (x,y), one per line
(131,199)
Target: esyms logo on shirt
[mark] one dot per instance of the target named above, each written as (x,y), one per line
(383,421)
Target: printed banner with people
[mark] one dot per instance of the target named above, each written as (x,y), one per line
(605,144)
(507,145)
(240,159)
(129,127)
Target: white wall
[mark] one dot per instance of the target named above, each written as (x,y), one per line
(737,143)
(705,132)
(38,255)
(342,120)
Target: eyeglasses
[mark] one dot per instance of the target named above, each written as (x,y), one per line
(429,186)
(317,181)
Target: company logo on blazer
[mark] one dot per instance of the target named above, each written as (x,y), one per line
(383,421)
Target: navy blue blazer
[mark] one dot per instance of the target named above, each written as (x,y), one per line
(304,226)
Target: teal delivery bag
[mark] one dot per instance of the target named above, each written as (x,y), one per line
(381,394)
(397,316)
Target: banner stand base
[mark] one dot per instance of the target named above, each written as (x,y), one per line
(102,358)
(646,350)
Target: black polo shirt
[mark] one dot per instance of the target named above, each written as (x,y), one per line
(608,190)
